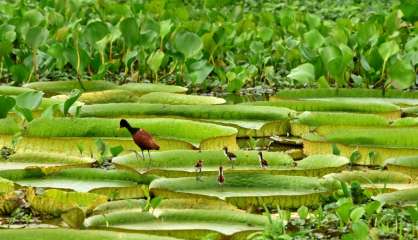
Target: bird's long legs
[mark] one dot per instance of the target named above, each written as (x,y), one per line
(149,157)
(136,154)
(232,163)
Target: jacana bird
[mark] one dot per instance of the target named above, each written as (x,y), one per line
(263,162)
(231,156)
(221,177)
(198,168)
(142,139)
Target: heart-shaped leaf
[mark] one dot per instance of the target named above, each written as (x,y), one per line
(155,59)
(314,39)
(401,73)
(36,37)
(6,104)
(29,100)
(130,31)
(304,73)
(188,43)
(388,49)
(95,31)
(75,94)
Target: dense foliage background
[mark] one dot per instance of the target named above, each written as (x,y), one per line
(212,44)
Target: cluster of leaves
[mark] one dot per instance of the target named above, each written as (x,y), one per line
(351,215)
(212,43)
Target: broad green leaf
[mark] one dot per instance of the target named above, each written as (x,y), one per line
(388,49)
(188,43)
(155,59)
(75,94)
(95,31)
(29,100)
(197,72)
(401,74)
(24,112)
(304,73)
(115,151)
(303,212)
(34,17)
(19,72)
(5,49)
(165,27)
(7,33)
(314,39)
(357,214)
(6,104)
(360,230)
(130,31)
(36,37)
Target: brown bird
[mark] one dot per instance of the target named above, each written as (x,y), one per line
(142,139)
(221,177)
(263,163)
(198,168)
(231,156)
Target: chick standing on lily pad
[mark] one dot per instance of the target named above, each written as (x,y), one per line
(231,156)
(221,177)
(198,168)
(263,162)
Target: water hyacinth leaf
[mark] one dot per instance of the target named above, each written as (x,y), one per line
(155,59)
(401,74)
(188,43)
(36,37)
(29,100)
(314,39)
(304,73)
(34,17)
(6,104)
(197,72)
(388,49)
(165,27)
(130,31)
(95,31)
(7,33)
(5,48)
(75,94)
(115,151)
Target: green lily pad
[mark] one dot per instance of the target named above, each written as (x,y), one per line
(245,189)
(185,223)
(179,99)
(344,92)
(250,121)
(108,96)
(70,234)
(406,164)
(56,87)
(68,133)
(10,90)
(178,163)
(406,197)
(116,184)
(329,121)
(144,88)
(387,110)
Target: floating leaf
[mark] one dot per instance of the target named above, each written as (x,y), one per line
(188,43)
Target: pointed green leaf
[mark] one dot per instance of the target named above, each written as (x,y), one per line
(304,73)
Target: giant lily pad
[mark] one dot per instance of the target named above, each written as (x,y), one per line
(323,122)
(346,92)
(108,96)
(70,234)
(49,162)
(178,163)
(406,164)
(245,189)
(250,120)
(57,87)
(116,184)
(375,179)
(55,202)
(10,90)
(144,88)
(374,144)
(387,110)
(66,134)
(185,223)
(174,98)
(405,196)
